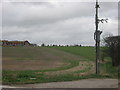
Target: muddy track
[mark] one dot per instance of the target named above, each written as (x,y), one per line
(83,65)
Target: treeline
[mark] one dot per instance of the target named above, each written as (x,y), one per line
(55,45)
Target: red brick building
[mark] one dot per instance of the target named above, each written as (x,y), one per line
(14,43)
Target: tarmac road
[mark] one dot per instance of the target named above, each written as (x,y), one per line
(86,83)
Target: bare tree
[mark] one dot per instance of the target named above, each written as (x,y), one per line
(112,49)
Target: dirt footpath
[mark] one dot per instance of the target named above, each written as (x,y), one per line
(87,83)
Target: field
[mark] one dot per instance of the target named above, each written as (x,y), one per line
(23,65)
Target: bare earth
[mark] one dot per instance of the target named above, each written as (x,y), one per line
(48,58)
(87,83)
(30,65)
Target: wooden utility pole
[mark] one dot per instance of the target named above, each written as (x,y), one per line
(97,37)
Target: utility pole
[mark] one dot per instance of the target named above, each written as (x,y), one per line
(97,37)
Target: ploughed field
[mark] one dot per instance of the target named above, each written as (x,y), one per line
(34,58)
(23,65)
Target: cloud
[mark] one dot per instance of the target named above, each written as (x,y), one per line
(24,15)
(53,22)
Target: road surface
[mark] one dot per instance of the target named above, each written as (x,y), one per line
(86,83)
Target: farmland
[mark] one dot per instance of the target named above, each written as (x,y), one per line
(23,65)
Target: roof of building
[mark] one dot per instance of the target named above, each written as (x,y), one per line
(16,42)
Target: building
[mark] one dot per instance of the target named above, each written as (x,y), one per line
(14,43)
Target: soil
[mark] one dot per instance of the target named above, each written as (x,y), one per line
(82,66)
(48,58)
(30,65)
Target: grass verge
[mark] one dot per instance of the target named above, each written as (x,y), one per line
(107,69)
(30,78)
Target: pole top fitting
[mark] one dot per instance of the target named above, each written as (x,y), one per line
(97,6)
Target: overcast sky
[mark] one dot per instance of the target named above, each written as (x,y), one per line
(56,22)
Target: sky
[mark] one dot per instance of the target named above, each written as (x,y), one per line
(57,22)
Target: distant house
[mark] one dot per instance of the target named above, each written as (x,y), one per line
(14,43)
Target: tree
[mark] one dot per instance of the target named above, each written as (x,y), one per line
(112,49)
(43,45)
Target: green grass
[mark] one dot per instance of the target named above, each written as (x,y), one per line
(26,53)
(25,77)
(86,53)
(108,69)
